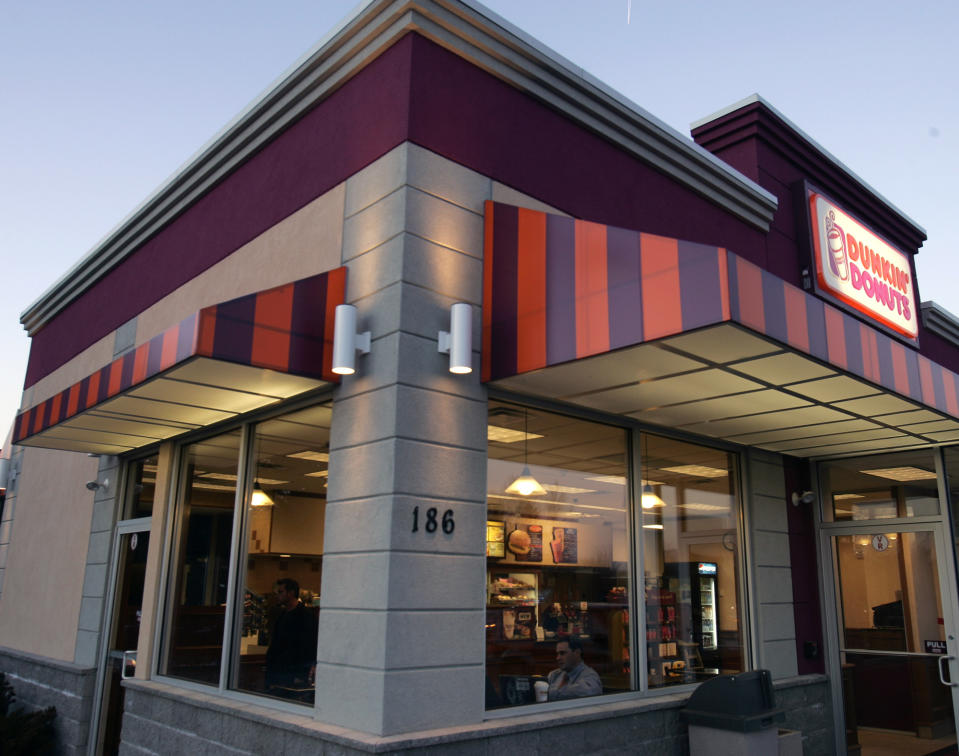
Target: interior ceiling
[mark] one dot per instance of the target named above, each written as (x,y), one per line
(195,393)
(727,383)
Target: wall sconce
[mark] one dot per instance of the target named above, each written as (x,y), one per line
(806,497)
(457,342)
(346,341)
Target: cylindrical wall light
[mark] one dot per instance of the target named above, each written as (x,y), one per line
(346,341)
(458,341)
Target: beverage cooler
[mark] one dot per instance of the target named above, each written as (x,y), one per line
(707,590)
(697,593)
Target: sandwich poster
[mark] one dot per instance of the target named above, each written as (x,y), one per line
(526,543)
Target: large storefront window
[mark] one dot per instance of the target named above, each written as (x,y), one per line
(563,540)
(691,562)
(558,555)
(263,503)
(882,487)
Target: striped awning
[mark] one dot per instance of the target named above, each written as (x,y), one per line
(694,337)
(222,361)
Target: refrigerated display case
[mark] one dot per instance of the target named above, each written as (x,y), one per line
(706,572)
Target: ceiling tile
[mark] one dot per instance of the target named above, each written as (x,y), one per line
(243,378)
(737,405)
(149,409)
(880,404)
(806,431)
(725,343)
(199,395)
(938,425)
(672,390)
(768,421)
(834,389)
(832,440)
(780,369)
(902,418)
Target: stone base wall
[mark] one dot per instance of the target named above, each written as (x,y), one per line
(164,719)
(39,682)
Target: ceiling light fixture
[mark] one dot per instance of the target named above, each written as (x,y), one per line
(700,471)
(526,484)
(650,499)
(901,474)
(259,497)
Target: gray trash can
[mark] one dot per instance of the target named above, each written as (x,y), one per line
(734,715)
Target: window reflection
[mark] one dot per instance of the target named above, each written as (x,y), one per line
(276,635)
(199,588)
(557,560)
(691,562)
(881,487)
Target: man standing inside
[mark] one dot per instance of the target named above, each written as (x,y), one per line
(291,657)
(573,679)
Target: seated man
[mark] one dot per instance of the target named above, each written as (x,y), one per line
(573,679)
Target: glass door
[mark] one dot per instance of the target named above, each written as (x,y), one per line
(130,560)
(897,636)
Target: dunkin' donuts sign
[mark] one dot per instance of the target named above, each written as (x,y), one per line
(860,269)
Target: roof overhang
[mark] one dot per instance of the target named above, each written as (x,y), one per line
(697,339)
(222,361)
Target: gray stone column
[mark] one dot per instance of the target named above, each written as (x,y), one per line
(402,619)
(775,630)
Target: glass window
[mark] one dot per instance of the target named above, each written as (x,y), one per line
(283,556)
(557,557)
(880,487)
(199,589)
(141,485)
(690,507)
(273,532)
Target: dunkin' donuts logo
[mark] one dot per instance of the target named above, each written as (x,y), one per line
(857,267)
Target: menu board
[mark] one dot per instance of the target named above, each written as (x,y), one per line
(495,539)
(525,542)
(564,546)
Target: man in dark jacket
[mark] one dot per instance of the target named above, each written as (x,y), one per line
(291,657)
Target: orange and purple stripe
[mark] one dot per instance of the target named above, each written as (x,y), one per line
(288,329)
(558,289)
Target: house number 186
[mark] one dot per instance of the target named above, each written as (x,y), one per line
(431,524)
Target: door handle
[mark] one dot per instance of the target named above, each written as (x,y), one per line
(942,669)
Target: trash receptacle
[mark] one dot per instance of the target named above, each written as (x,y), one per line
(734,715)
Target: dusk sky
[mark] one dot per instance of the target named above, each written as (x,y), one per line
(103,101)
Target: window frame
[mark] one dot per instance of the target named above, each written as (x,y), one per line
(172,551)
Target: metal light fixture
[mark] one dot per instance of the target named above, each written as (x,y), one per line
(259,497)
(650,499)
(346,341)
(457,342)
(526,484)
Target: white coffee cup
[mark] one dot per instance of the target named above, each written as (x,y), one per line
(542,689)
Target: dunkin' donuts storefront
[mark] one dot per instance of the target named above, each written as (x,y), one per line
(692,419)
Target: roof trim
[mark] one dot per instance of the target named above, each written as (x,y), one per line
(757,99)
(466,28)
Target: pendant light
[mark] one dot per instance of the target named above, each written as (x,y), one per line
(259,497)
(526,484)
(650,498)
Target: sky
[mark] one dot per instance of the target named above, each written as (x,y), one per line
(101,102)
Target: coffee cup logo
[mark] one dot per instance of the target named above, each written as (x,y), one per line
(836,242)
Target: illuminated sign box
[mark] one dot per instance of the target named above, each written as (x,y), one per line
(861,270)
